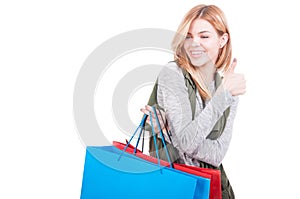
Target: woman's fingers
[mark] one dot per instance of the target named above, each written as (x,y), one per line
(145,111)
(160,115)
(231,69)
(234,82)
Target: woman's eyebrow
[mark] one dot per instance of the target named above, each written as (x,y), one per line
(204,31)
(201,32)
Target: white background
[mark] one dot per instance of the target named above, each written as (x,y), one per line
(44,44)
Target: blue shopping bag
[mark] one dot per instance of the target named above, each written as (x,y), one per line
(110,173)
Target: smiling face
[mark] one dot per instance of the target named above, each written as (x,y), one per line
(202,43)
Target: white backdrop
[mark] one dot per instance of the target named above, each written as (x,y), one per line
(43,46)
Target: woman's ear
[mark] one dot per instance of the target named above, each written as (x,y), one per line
(223,40)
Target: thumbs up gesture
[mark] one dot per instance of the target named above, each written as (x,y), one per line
(235,83)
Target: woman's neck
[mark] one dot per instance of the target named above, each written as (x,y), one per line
(207,72)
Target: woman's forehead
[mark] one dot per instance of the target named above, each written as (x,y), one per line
(200,25)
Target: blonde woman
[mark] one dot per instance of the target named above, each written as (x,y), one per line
(198,92)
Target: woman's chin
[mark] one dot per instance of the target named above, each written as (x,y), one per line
(199,63)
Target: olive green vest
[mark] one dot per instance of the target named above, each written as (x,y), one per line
(227,192)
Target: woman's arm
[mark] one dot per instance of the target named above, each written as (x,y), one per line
(213,151)
(190,135)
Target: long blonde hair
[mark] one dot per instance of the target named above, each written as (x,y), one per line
(216,18)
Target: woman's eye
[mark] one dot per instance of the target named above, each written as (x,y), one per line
(188,37)
(204,36)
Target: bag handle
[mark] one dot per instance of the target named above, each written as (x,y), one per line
(165,127)
(141,127)
(162,135)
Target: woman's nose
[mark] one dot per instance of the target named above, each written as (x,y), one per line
(196,42)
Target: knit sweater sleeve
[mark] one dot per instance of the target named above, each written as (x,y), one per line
(188,135)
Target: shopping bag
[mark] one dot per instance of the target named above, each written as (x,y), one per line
(138,153)
(130,148)
(110,173)
(212,174)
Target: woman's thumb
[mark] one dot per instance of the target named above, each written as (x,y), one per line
(232,66)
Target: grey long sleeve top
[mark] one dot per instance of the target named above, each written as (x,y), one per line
(189,136)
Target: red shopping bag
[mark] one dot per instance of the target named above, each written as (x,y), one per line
(130,149)
(212,174)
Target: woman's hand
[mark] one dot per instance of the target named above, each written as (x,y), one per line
(161,117)
(235,83)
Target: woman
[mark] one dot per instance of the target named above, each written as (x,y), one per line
(198,92)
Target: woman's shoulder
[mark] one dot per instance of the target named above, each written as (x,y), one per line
(171,73)
(171,69)
(173,66)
